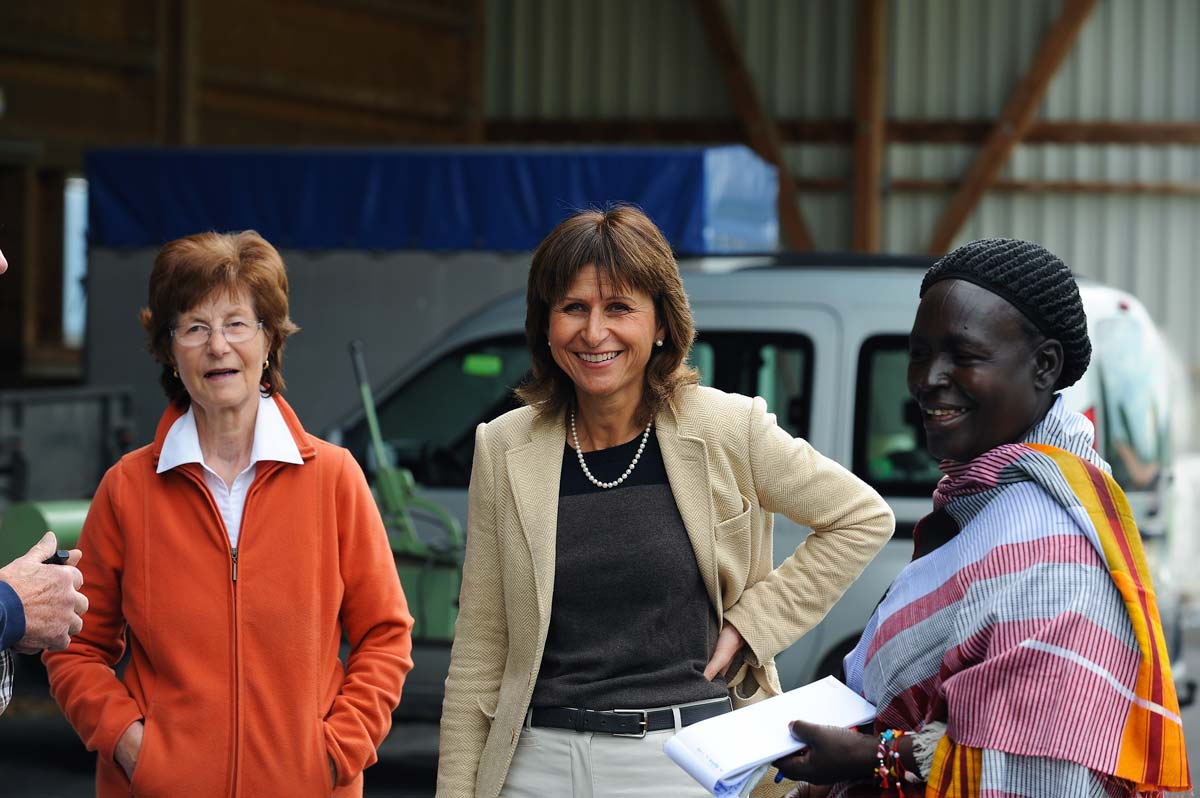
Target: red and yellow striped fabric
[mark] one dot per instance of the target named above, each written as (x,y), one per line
(1153,754)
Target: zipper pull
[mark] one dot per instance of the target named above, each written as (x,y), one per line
(233,554)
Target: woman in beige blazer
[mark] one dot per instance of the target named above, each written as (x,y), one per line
(618,562)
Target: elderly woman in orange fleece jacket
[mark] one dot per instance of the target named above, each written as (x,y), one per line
(231,555)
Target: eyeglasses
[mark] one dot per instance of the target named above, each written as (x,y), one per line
(235,331)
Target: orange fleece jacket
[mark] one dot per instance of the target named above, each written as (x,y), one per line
(238,682)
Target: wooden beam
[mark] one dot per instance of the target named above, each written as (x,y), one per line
(187,83)
(49,209)
(425,13)
(613,131)
(476,68)
(13,306)
(1158,133)
(1057,187)
(162,76)
(389,102)
(952,131)
(831,131)
(869,124)
(1014,121)
(826,185)
(176,93)
(236,119)
(821,185)
(31,266)
(42,48)
(760,131)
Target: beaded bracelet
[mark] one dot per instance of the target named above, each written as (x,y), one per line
(890,770)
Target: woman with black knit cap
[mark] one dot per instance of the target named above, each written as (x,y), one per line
(1020,653)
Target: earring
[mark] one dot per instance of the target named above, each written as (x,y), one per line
(175,372)
(266,364)
(659,342)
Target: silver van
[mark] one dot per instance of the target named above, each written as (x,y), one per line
(825,343)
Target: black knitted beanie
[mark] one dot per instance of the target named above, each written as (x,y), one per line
(1034,281)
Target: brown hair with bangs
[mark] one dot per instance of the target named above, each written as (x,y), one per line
(628,251)
(187,270)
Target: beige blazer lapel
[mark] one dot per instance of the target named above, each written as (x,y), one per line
(534,469)
(686,459)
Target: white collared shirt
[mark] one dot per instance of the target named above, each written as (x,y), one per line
(272,441)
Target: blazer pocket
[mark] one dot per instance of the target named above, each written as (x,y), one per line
(488,708)
(748,686)
(734,553)
(739,525)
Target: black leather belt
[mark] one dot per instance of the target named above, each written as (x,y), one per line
(625,722)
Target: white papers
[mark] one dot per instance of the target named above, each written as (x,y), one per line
(728,754)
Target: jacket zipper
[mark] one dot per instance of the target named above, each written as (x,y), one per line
(233,557)
(237,704)
(237,674)
(199,480)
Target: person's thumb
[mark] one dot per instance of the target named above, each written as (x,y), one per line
(44,548)
(802,730)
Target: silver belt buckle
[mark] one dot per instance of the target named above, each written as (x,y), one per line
(645,722)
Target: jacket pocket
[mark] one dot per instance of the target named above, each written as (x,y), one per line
(748,686)
(734,553)
(324,757)
(736,523)
(488,708)
(143,770)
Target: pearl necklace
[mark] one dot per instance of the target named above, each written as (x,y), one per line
(628,471)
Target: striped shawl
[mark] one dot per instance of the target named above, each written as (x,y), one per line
(1033,633)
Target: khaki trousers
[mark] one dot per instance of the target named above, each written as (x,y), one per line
(560,763)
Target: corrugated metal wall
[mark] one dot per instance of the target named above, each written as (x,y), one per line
(1135,60)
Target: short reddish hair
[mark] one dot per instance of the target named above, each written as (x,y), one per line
(187,270)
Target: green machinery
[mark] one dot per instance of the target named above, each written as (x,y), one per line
(430,572)
(25,523)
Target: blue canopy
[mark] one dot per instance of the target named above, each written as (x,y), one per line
(705,199)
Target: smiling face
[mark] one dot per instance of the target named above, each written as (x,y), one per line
(602,337)
(219,375)
(982,375)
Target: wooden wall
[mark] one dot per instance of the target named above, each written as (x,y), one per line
(82,74)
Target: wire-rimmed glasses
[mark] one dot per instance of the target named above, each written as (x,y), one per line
(235,331)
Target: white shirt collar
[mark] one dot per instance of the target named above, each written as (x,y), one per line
(272,439)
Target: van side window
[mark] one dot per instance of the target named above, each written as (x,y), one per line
(428,425)
(889,439)
(775,366)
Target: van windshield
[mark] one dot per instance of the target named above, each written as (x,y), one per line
(889,438)
(1133,380)
(428,423)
